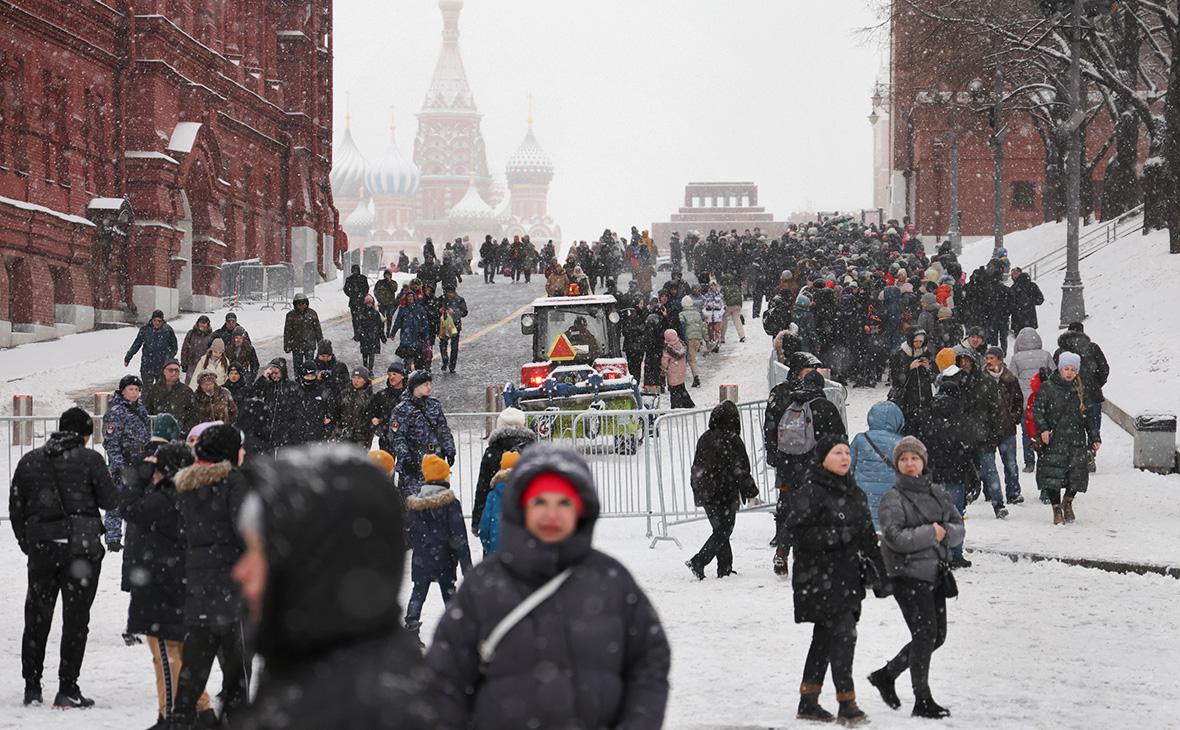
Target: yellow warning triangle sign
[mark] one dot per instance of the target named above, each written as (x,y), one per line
(562,350)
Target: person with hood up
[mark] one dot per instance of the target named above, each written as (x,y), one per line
(159,346)
(653,353)
(1026,296)
(153,571)
(301,332)
(171,396)
(1028,358)
(439,539)
(510,434)
(489,259)
(212,402)
(323,596)
(1067,437)
(210,494)
(53,507)
(126,430)
(919,526)
(1094,373)
(241,351)
(674,367)
(491,514)
(610,670)
(720,479)
(419,427)
(354,422)
(831,529)
(214,361)
(370,332)
(871,467)
(694,334)
(196,344)
(929,309)
(912,379)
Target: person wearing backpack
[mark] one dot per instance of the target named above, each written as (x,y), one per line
(490,514)
(797,416)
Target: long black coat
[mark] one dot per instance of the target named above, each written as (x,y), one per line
(308,405)
(508,438)
(951,436)
(210,498)
(381,407)
(370,331)
(59,487)
(1026,296)
(153,562)
(593,655)
(912,389)
(721,466)
(829,524)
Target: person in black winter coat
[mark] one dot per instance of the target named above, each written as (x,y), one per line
(356,287)
(53,507)
(153,569)
(159,346)
(720,478)
(331,372)
(311,412)
(210,493)
(633,314)
(951,441)
(384,401)
(598,635)
(829,524)
(653,350)
(370,332)
(263,416)
(454,307)
(806,387)
(911,381)
(511,434)
(1026,296)
(324,596)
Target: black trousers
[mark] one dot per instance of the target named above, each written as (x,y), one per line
(721,519)
(298,357)
(448,348)
(833,642)
(368,360)
(489,273)
(635,365)
(757,293)
(203,644)
(925,615)
(52,570)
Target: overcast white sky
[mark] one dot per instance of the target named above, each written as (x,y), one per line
(634,98)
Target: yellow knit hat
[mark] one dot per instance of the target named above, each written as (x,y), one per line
(383,460)
(435,469)
(944,359)
(508,460)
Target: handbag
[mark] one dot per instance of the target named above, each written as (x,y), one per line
(945,586)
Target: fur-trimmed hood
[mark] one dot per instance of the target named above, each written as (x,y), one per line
(501,477)
(192,478)
(511,434)
(432,496)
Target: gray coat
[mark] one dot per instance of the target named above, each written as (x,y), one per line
(1027,358)
(907,513)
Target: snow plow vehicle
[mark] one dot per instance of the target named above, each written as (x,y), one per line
(578,365)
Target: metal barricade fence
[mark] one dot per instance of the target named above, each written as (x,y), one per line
(21,434)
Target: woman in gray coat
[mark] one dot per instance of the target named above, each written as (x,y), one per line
(919,525)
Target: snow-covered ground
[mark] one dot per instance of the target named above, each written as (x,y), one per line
(1131,298)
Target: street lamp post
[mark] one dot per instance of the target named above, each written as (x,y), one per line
(956,234)
(1000,131)
(1073,301)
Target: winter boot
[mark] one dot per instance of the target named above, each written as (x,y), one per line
(1029,468)
(71,697)
(1001,511)
(207,719)
(1067,510)
(1018,499)
(884,682)
(414,627)
(696,381)
(926,707)
(809,707)
(33,694)
(114,546)
(849,714)
(780,560)
(697,571)
(726,573)
(1058,515)
(957,563)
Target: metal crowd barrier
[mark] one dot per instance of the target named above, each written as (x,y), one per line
(272,287)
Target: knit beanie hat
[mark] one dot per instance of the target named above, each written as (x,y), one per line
(508,459)
(219,443)
(217,345)
(166,427)
(435,469)
(196,431)
(418,377)
(944,359)
(910,445)
(384,461)
(945,313)
(1069,359)
(551,482)
(76,420)
(171,458)
(826,444)
(324,348)
(130,379)
(511,417)
(993,350)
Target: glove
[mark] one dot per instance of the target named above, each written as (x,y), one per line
(475,530)
(131,639)
(973,493)
(450,460)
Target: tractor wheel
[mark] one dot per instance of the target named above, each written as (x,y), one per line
(627,445)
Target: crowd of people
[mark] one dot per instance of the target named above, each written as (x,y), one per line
(307,547)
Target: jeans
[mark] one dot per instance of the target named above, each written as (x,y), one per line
(53,570)
(1011,467)
(721,519)
(1030,456)
(418,598)
(958,495)
(832,642)
(448,348)
(1094,413)
(991,478)
(925,615)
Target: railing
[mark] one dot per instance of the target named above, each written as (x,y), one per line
(272,286)
(1090,243)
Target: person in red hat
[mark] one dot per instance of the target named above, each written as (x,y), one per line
(549,599)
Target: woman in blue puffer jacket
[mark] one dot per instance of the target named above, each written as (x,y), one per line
(874,475)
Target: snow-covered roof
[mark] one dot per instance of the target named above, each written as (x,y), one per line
(529,158)
(572,301)
(148,155)
(184,136)
(34,208)
(472,207)
(105,204)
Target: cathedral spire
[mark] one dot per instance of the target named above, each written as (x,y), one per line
(449,89)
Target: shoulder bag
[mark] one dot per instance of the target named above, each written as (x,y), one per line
(487,647)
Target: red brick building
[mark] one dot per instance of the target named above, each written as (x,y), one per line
(144,143)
